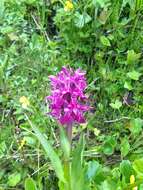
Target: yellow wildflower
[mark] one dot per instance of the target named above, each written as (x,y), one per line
(24,101)
(68,5)
(96,131)
(132,181)
(22,143)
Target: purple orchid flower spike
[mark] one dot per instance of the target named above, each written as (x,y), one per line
(67,99)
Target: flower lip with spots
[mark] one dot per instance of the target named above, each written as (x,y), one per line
(67,101)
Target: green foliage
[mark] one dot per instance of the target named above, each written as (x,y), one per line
(126,170)
(125,147)
(116,105)
(30,184)
(138,166)
(109,145)
(49,152)
(136,126)
(103,37)
(14,179)
(76,166)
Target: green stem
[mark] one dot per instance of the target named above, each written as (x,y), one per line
(67,169)
(69,132)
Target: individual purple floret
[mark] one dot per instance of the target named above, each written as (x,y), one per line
(67,99)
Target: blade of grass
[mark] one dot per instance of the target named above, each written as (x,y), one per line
(55,160)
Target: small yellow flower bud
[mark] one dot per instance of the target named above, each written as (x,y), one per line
(24,101)
(22,143)
(132,179)
(96,131)
(68,6)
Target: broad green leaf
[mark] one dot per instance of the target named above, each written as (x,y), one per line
(134,75)
(109,145)
(105,186)
(87,18)
(95,172)
(116,173)
(14,179)
(30,140)
(116,105)
(128,86)
(108,149)
(136,126)
(82,19)
(104,16)
(105,41)
(93,169)
(79,20)
(77,170)
(126,169)
(108,185)
(132,57)
(78,156)
(125,147)
(138,166)
(30,184)
(56,162)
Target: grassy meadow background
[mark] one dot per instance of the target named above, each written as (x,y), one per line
(102,37)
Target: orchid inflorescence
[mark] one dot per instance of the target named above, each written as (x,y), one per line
(68,103)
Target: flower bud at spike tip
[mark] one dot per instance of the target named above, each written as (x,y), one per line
(67,99)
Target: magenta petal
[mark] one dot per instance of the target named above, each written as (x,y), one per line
(68,102)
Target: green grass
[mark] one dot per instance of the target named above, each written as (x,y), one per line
(105,39)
